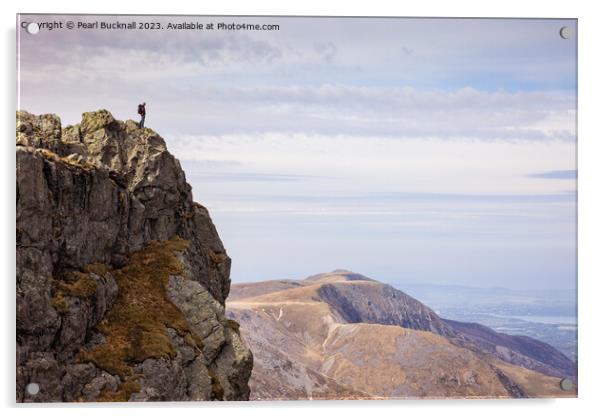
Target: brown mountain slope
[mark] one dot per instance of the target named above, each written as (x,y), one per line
(356,298)
(248,290)
(364,338)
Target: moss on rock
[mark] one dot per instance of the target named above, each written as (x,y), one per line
(100,269)
(123,393)
(95,120)
(233,325)
(60,303)
(83,286)
(74,284)
(136,326)
(217,391)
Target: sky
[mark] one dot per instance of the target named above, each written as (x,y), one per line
(435,151)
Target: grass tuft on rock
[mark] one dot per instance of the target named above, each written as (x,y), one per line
(123,393)
(74,284)
(99,269)
(82,285)
(233,325)
(136,326)
(60,303)
(217,391)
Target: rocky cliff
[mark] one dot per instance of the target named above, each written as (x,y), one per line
(121,277)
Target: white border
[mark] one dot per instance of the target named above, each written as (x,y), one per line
(590,201)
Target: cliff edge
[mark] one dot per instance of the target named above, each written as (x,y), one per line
(121,277)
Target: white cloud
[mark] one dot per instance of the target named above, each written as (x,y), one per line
(327,167)
(384,77)
(331,110)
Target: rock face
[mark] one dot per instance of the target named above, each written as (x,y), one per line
(341,335)
(121,277)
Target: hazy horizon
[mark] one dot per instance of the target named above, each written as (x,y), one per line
(435,151)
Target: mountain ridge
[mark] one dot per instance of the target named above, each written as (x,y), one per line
(338,306)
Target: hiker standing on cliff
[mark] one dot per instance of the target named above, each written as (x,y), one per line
(142,112)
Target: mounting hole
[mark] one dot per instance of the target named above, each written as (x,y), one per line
(566,384)
(33,388)
(32,28)
(565,32)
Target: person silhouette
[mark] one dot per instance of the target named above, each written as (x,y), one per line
(142,112)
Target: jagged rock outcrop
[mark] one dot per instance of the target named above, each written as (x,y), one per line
(121,277)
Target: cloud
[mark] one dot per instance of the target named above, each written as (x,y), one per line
(330,175)
(327,50)
(394,112)
(413,197)
(397,78)
(439,208)
(250,177)
(555,174)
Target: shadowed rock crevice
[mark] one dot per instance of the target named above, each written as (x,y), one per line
(105,224)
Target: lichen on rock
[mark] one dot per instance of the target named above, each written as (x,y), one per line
(115,265)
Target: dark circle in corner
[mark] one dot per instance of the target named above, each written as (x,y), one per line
(565,32)
(566,384)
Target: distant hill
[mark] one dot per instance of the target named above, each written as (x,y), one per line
(344,335)
(546,315)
